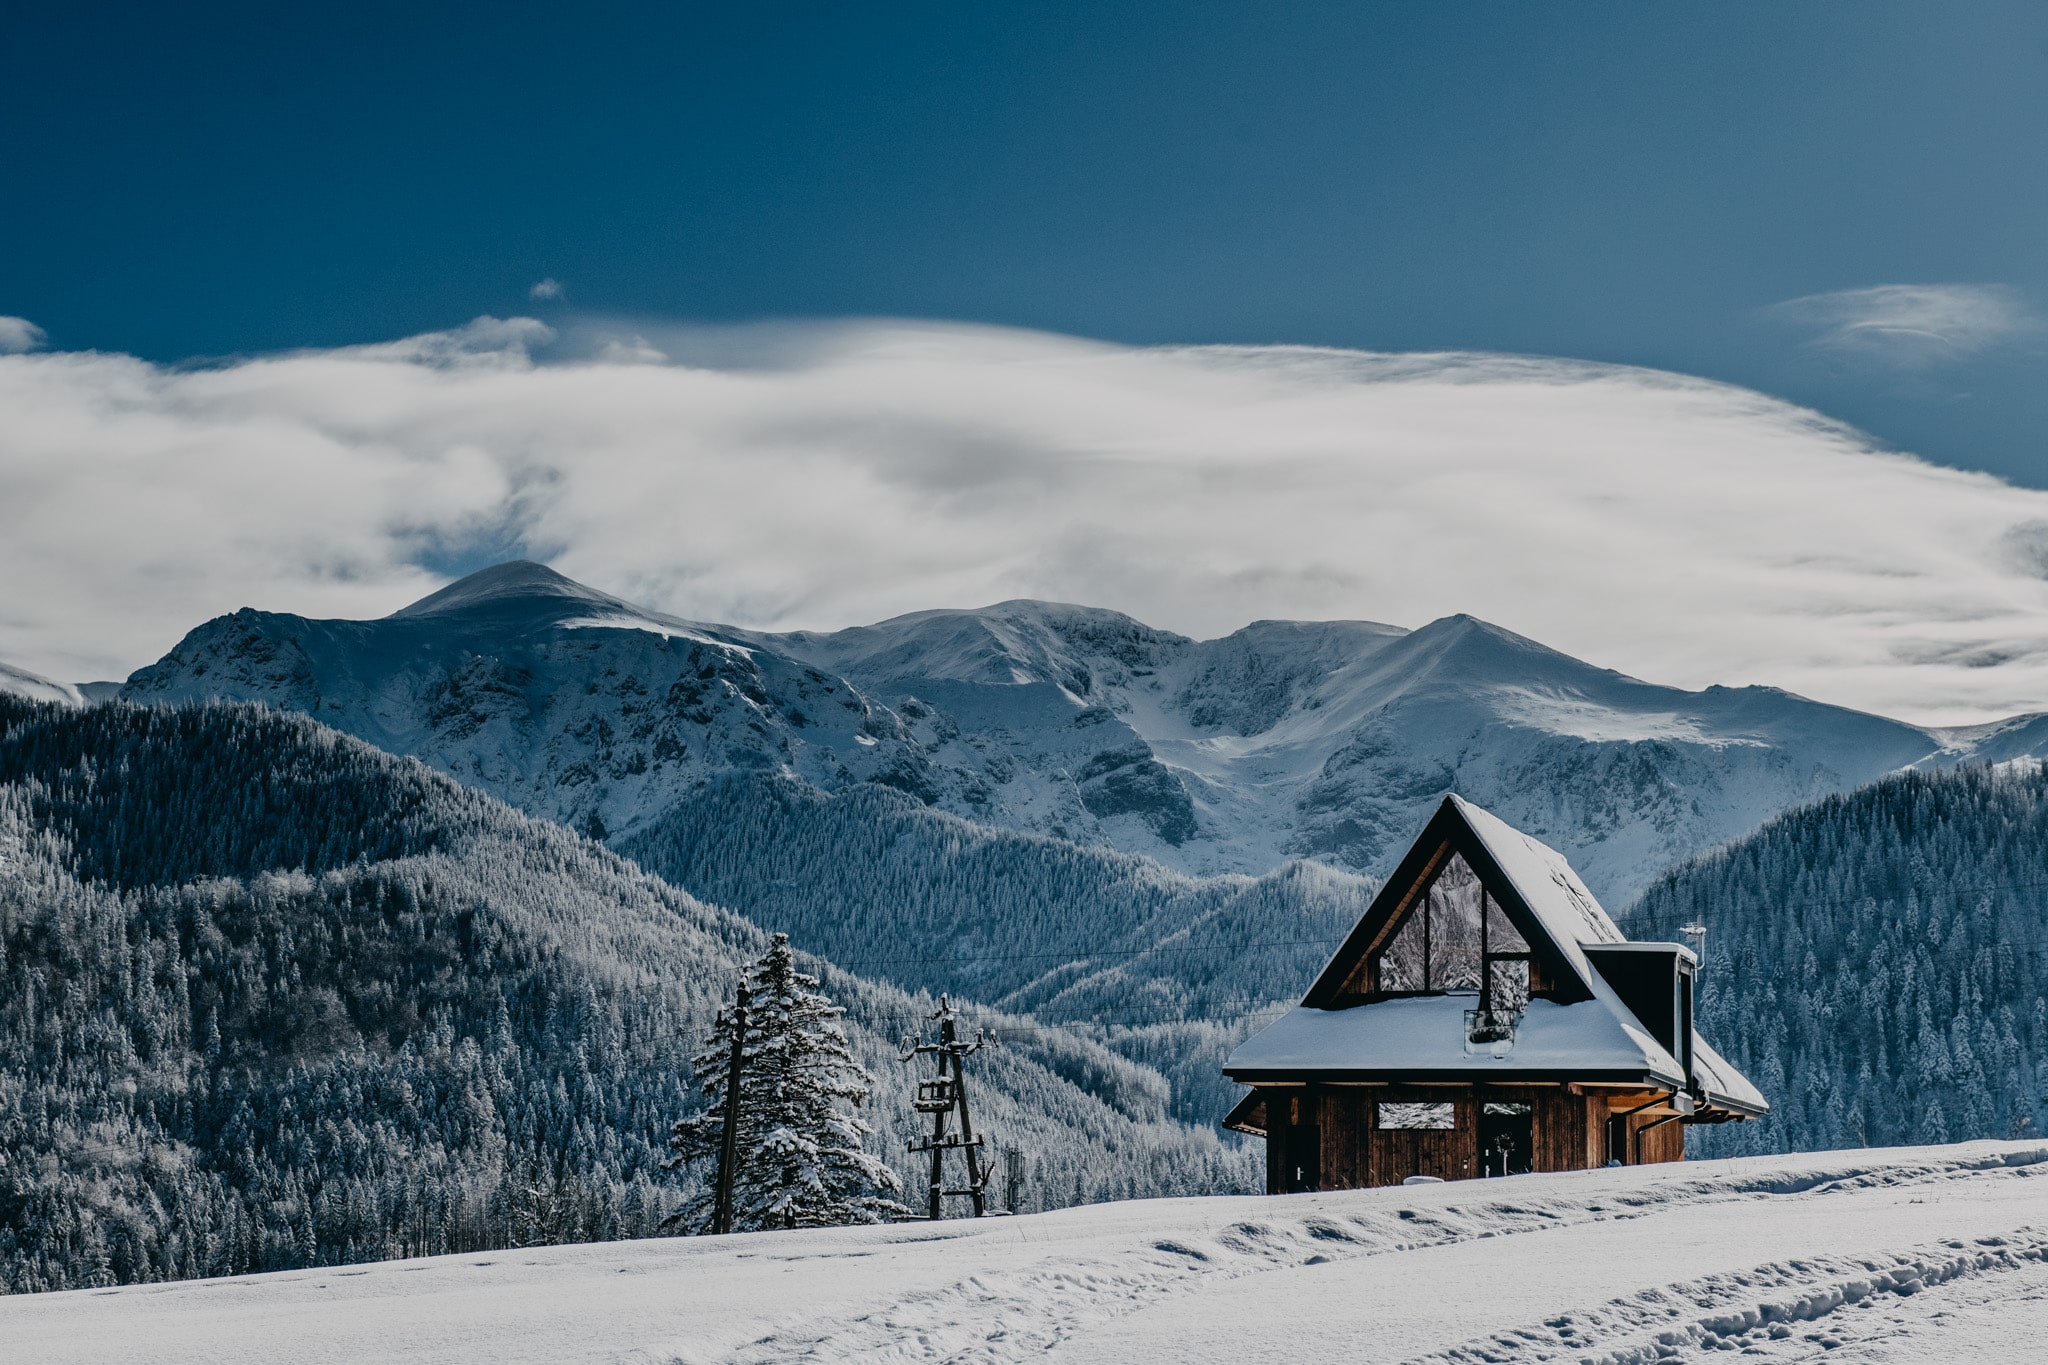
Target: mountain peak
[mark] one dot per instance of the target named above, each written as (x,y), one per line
(513,581)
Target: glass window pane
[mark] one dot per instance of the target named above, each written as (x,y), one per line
(1454,907)
(1401,961)
(1410,1116)
(1495,1108)
(1501,934)
(1510,979)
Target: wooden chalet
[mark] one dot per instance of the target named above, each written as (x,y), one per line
(1485,1017)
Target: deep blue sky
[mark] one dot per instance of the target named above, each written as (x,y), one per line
(1622,182)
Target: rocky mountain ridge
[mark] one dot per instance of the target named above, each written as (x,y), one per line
(1325,740)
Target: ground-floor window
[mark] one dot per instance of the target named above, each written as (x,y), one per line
(1439,1116)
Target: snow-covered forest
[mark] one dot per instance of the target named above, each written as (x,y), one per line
(1163,967)
(270,998)
(1875,962)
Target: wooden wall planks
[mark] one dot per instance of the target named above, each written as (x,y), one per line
(1330,1134)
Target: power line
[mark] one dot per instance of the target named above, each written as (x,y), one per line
(1836,902)
(1077,956)
(1253,1005)
(1250,945)
(1001,1022)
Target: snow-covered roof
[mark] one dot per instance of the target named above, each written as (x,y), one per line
(1594,1038)
(1722,1082)
(1426,1034)
(1549,887)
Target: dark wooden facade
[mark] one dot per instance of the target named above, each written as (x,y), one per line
(1321,1137)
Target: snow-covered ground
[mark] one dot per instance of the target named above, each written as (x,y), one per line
(1921,1254)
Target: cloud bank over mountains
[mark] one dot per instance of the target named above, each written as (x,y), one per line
(826,474)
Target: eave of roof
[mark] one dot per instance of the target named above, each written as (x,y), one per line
(1412,1036)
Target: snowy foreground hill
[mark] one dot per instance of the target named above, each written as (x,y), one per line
(1328,740)
(1917,1254)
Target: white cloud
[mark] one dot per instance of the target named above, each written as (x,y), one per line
(629,350)
(18,335)
(1912,324)
(550,288)
(1680,530)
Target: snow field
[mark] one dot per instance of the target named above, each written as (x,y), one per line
(1906,1254)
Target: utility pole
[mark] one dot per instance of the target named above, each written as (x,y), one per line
(944,1096)
(729,1140)
(1013,1176)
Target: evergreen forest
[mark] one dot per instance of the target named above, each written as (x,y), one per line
(1875,962)
(1173,971)
(272,998)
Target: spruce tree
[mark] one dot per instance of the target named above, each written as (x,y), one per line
(800,1162)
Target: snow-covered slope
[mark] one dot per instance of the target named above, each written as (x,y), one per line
(1320,739)
(22,683)
(1331,739)
(1906,1255)
(561,700)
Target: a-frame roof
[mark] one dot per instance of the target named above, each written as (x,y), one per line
(1533,881)
(1584,1032)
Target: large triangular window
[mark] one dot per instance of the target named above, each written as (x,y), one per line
(1456,937)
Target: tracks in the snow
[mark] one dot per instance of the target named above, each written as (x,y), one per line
(1020,1304)
(1786,1309)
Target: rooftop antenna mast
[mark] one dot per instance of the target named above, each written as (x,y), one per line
(1696,938)
(944,1096)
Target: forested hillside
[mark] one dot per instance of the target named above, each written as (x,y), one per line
(269,998)
(1164,967)
(1875,962)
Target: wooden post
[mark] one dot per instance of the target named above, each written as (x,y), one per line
(975,1179)
(729,1140)
(938,1187)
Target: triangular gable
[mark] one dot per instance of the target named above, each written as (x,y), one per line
(1540,896)
(1422,1036)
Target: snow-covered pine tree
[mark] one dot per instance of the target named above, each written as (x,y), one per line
(800,1162)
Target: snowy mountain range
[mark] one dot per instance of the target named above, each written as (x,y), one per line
(1323,740)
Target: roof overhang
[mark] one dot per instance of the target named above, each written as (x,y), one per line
(1471,1075)
(1719,1108)
(1657,948)
(1248,1115)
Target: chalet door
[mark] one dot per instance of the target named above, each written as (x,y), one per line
(1507,1139)
(1302,1168)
